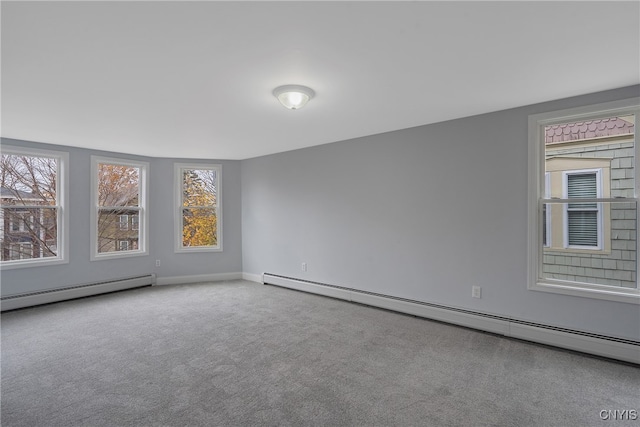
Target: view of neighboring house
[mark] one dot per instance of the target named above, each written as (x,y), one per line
(28,230)
(27,226)
(118,206)
(591,242)
(118,230)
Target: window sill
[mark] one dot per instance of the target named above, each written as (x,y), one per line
(609,293)
(564,251)
(198,249)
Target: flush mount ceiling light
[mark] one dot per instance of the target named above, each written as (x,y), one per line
(293,97)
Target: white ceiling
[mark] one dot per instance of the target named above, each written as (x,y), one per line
(194,79)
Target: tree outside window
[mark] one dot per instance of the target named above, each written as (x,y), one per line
(119,197)
(30,214)
(198,207)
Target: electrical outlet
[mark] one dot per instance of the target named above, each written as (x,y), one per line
(476,291)
(304,266)
(157,263)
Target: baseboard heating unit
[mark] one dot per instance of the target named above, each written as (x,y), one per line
(600,345)
(28,299)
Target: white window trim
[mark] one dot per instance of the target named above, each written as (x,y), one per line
(62,191)
(536,170)
(143,211)
(177,201)
(565,180)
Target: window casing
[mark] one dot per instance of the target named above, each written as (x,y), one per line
(119,192)
(198,207)
(34,220)
(598,246)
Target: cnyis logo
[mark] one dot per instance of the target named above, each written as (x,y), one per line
(619,414)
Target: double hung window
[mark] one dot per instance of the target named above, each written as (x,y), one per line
(583,201)
(198,214)
(33,214)
(119,193)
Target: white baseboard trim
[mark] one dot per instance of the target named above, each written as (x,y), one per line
(620,349)
(197,278)
(252,277)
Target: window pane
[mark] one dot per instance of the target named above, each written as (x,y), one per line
(29,233)
(113,230)
(614,265)
(199,187)
(608,140)
(28,180)
(199,227)
(118,185)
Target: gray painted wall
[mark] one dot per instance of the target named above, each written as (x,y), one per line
(81,270)
(422,213)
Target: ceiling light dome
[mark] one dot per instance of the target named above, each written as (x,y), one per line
(293,97)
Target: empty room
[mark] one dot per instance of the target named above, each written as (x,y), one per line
(401,213)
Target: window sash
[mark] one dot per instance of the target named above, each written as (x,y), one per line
(119,226)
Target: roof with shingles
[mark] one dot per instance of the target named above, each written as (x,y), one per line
(9,193)
(587,129)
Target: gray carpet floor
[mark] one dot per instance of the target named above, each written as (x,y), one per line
(242,354)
